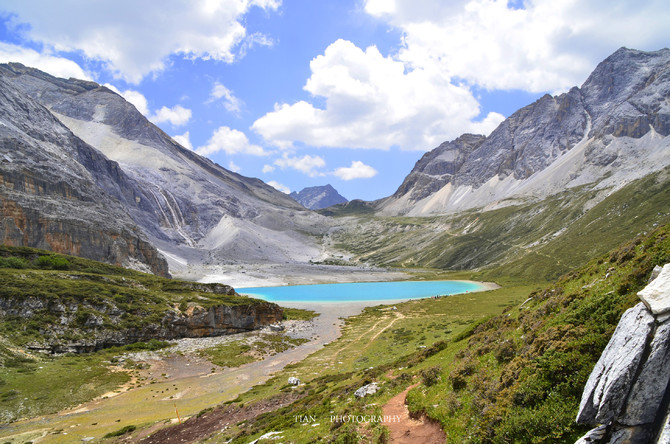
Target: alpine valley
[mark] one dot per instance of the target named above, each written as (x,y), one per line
(117,239)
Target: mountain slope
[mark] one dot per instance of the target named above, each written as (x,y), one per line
(605,134)
(192,209)
(317,198)
(61,194)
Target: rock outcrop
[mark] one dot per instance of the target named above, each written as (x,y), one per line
(627,394)
(83,327)
(611,130)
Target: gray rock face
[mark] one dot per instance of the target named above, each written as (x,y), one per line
(619,116)
(610,381)
(59,193)
(651,384)
(187,206)
(317,198)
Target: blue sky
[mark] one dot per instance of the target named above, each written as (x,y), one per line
(308,92)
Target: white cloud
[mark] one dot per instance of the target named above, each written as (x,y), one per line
(357,170)
(277,186)
(184,140)
(234,168)
(230,141)
(373,101)
(134,41)
(177,115)
(306,164)
(548,45)
(56,66)
(230,102)
(268,169)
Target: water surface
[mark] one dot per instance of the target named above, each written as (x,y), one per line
(361,291)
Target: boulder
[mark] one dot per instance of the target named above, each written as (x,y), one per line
(293,381)
(656,295)
(649,388)
(369,389)
(609,383)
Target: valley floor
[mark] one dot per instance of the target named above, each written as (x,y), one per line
(269,275)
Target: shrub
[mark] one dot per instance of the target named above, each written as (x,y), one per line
(121,431)
(431,376)
(13,262)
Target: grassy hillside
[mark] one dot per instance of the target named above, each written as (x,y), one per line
(536,241)
(498,367)
(49,288)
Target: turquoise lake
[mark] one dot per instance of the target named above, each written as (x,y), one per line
(361,291)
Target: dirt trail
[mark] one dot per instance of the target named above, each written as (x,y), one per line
(408,430)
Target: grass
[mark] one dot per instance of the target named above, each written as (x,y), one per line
(243,351)
(32,386)
(299,314)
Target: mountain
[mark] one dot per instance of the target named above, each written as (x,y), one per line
(61,194)
(605,134)
(191,209)
(317,198)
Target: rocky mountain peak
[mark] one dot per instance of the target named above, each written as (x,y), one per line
(581,137)
(319,197)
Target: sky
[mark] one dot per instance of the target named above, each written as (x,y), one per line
(303,93)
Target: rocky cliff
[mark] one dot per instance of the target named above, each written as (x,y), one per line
(189,207)
(627,395)
(317,198)
(59,193)
(603,135)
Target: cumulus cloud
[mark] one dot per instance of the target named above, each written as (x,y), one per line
(230,102)
(268,169)
(234,168)
(54,65)
(134,44)
(184,140)
(306,164)
(548,45)
(357,170)
(177,115)
(372,101)
(277,186)
(230,141)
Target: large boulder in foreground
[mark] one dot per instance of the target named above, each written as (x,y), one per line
(626,394)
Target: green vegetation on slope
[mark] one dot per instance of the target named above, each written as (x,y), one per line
(519,377)
(41,290)
(536,241)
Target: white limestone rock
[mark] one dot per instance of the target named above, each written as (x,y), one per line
(369,389)
(656,295)
(609,383)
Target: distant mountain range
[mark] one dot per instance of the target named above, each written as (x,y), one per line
(317,198)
